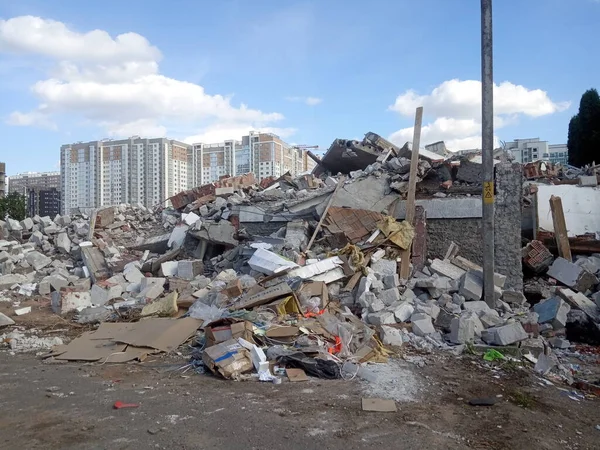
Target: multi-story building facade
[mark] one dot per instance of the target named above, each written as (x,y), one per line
(533,149)
(2,179)
(111,172)
(41,189)
(264,154)
(22,182)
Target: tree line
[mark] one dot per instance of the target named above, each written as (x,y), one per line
(584,131)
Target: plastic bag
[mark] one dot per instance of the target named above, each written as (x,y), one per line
(205,312)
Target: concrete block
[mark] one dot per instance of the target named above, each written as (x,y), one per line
(190,269)
(560,343)
(27,224)
(381,318)
(376,305)
(430,308)
(190,218)
(462,330)
(408,295)
(441,285)
(423,326)
(103,292)
(169,268)
(446,269)
(513,297)
(491,319)
(458,299)
(151,291)
(37,260)
(403,311)
(419,316)
(178,236)
(444,320)
(565,272)
(596,298)
(65,301)
(478,307)
(391,336)
(444,300)
(13,225)
(7,267)
(63,243)
(132,273)
(391,281)
(590,180)
(5,320)
(504,335)
(554,311)
(385,267)
(471,286)
(389,296)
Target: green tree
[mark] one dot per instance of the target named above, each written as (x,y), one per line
(13,206)
(584,131)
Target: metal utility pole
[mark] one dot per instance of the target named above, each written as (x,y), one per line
(487,149)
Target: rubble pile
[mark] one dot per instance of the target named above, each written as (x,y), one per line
(297,273)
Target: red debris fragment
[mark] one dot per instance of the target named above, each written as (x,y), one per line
(120,405)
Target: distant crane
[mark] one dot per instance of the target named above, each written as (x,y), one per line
(312,156)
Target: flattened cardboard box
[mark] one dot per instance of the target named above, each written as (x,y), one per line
(229,359)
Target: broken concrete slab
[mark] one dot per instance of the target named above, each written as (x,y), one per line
(103,292)
(13,225)
(156,244)
(38,260)
(504,335)
(376,305)
(177,237)
(27,224)
(391,281)
(446,269)
(491,319)
(554,311)
(513,297)
(479,307)
(580,301)
(169,268)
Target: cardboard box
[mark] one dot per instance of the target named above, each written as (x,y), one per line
(316,289)
(228,359)
(233,289)
(287,305)
(226,329)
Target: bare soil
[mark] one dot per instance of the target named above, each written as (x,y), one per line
(44,405)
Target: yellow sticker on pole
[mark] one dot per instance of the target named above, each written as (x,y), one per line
(488,192)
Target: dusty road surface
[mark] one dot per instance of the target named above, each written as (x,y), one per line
(70,406)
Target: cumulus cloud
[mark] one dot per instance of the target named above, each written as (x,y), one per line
(116,83)
(310,101)
(456,107)
(222,131)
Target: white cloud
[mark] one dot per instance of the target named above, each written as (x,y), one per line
(310,101)
(34,35)
(222,131)
(456,107)
(116,84)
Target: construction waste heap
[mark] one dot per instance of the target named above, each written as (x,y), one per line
(303,274)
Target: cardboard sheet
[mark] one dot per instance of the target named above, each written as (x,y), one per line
(162,334)
(379,404)
(84,348)
(296,375)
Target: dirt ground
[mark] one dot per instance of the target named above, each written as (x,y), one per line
(45,405)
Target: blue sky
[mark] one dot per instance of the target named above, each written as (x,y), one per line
(310,71)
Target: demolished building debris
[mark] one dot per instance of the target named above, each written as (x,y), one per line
(301,272)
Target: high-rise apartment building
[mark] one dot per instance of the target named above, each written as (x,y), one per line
(2,179)
(264,154)
(134,170)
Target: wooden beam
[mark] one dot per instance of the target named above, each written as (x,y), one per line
(412,188)
(329,203)
(560,228)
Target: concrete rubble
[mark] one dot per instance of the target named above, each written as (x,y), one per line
(304,267)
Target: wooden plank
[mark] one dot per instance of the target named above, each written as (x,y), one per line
(560,228)
(412,188)
(329,203)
